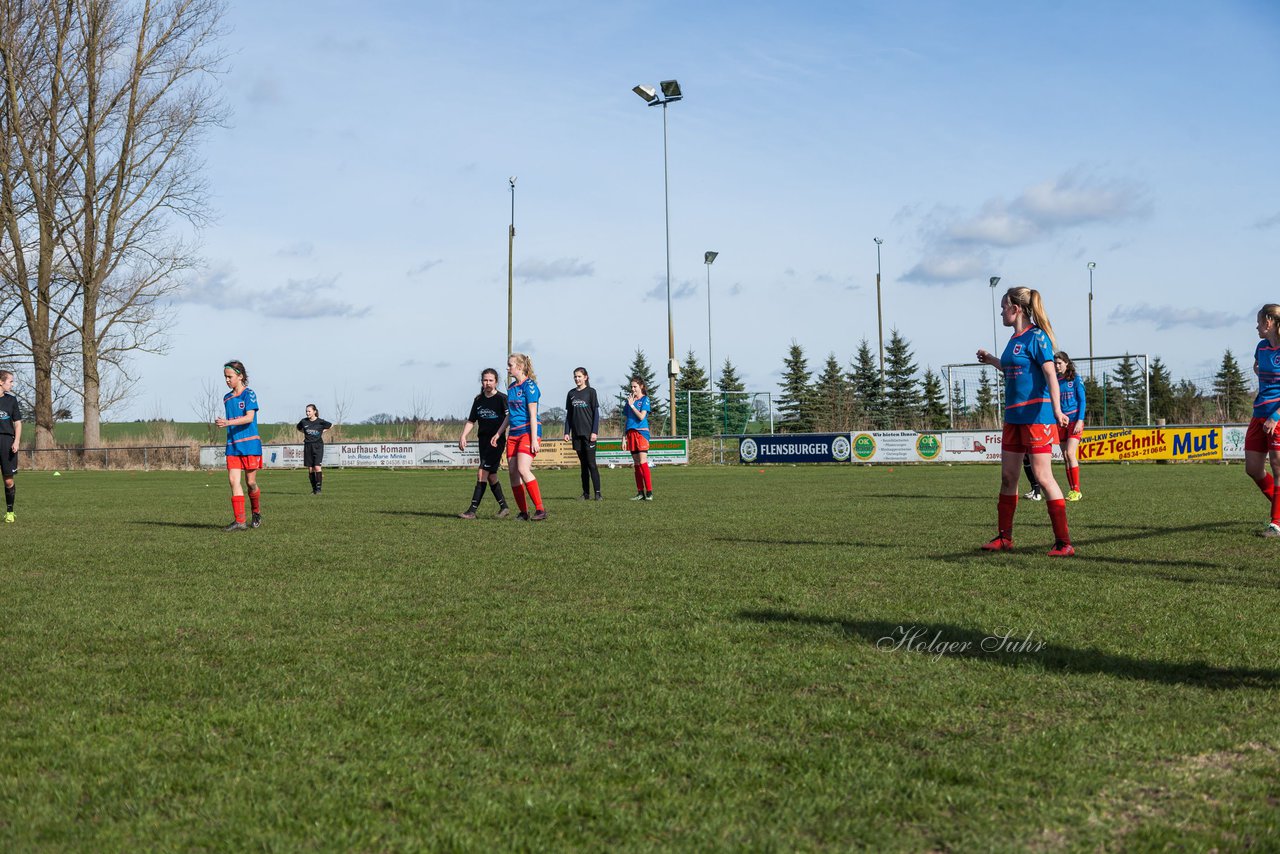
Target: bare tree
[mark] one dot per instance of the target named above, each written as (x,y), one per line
(205,407)
(35,173)
(145,69)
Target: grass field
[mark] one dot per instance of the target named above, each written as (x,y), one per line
(708,671)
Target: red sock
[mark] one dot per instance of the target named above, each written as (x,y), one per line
(1275,506)
(639,475)
(534,492)
(648,477)
(518,492)
(1007,507)
(1058,516)
(255,499)
(1267,485)
(237,507)
(1073,477)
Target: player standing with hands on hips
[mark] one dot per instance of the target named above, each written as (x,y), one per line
(582,426)
(313,427)
(487,410)
(1262,440)
(10,437)
(244,445)
(1032,412)
(524,436)
(636,437)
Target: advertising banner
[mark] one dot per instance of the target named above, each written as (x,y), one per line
(661,451)
(795,448)
(1233,442)
(897,446)
(554,452)
(1152,443)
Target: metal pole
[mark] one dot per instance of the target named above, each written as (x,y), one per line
(995,345)
(671,335)
(711,377)
(1091,266)
(511,243)
(879,311)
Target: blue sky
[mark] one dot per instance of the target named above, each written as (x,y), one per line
(359,250)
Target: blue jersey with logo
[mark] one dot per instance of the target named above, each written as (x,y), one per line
(519,396)
(242,439)
(640,425)
(1266,360)
(1071,398)
(1026,390)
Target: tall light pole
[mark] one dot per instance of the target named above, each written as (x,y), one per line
(709,258)
(995,347)
(511,245)
(879,311)
(1091,266)
(670,93)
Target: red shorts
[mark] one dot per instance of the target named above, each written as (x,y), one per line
(248,462)
(1029,438)
(1257,439)
(520,445)
(1065,433)
(636,441)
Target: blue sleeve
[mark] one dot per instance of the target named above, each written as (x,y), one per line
(1044,348)
(532,394)
(1080,395)
(250,400)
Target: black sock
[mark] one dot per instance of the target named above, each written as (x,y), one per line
(311,476)
(477,494)
(9,493)
(496,489)
(319,479)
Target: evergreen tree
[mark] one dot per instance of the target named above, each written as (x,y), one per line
(1161,391)
(988,413)
(1189,405)
(902,390)
(868,391)
(833,404)
(959,406)
(733,405)
(795,405)
(1095,412)
(641,368)
(698,406)
(1234,399)
(1130,398)
(933,408)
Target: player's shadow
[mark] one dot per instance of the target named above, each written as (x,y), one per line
(931,496)
(419,513)
(199,526)
(782,541)
(1016,649)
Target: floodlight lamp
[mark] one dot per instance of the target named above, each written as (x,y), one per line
(878,241)
(995,280)
(1092,265)
(512,179)
(709,257)
(671,90)
(647,92)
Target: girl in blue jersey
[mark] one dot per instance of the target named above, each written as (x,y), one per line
(1032,410)
(1071,394)
(244,445)
(636,432)
(524,435)
(1262,440)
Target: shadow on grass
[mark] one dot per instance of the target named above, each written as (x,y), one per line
(763,541)
(934,496)
(420,513)
(199,526)
(1024,650)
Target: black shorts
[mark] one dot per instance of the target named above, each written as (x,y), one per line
(584,447)
(312,455)
(8,459)
(490,457)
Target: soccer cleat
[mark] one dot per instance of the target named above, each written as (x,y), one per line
(1033,493)
(522,517)
(504,512)
(999,544)
(599,497)
(1061,549)
(468,514)
(256,521)
(236,526)
(648,496)
(639,496)
(1271,532)
(8,517)
(1075,495)
(584,497)
(538,516)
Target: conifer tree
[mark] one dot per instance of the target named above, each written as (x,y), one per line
(697,406)
(868,391)
(833,409)
(933,408)
(902,391)
(988,414)
(795,405)
(733,405)
(1234,399)
(1161,391)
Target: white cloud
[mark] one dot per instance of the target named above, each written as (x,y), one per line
(301,249)
(298,299)
(535,270)
(947,269)
(424,267)
(1268,221)
(1169,317)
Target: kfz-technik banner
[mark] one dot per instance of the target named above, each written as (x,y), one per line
(1152,443)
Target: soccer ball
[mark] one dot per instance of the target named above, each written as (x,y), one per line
(611,465)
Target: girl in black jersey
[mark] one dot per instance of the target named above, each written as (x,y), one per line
(487,411)
(313,427)
(10,437)
(581,426)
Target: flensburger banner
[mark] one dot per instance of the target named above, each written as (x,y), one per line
(795,448)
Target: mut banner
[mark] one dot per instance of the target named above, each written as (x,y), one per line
(795,448)
(1152,443)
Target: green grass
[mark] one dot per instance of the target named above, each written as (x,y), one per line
(705,672)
